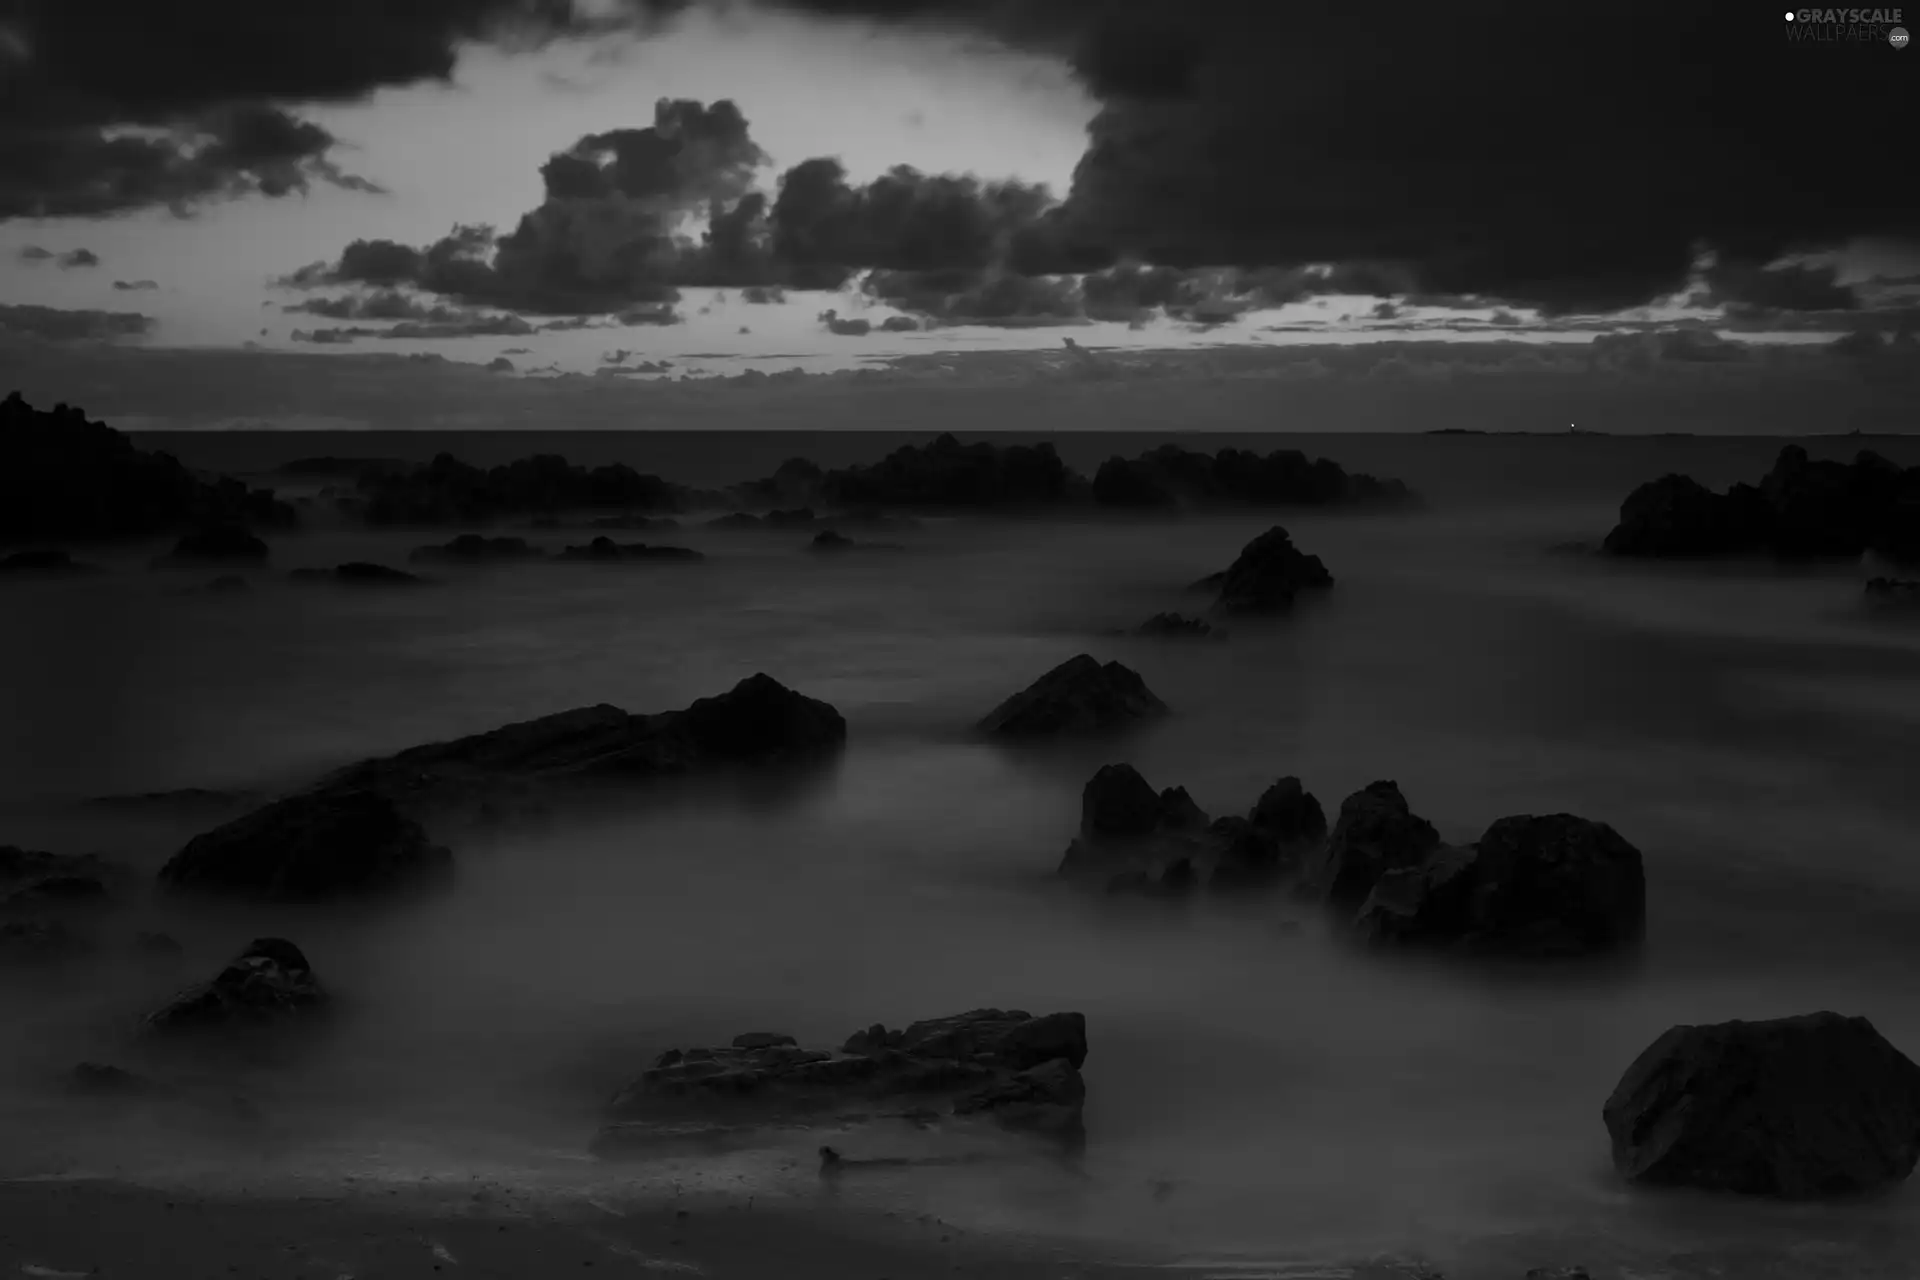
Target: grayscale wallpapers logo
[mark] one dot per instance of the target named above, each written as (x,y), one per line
(1847,26)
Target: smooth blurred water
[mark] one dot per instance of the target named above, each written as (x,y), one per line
(1748,728)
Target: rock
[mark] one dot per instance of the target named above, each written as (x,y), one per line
(606,549)
(830,540)
(309,847)
(1177,626)
(758,722)
(1270,842)
(1892,592)
(449,491)
(946,473)
(1269,572)
(1078,696)
(159,944)
(102,1079)
(19,865)
(268,982)
(1286,477)
(1019,1070)
(1558,1273)
(228,584)
(798,518)
(56,891)
(183,798)
(762,1040)
(474,548)
(1802,1107)
(1288,813)
(43,563)
(1375,833)
(1801,507)
(64,477)
(359,573)
(1554,885)
(1117,801)
(634,522)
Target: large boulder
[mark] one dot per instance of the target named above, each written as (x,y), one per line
(758,722)
(1552,885)
(309,847)
(1081,695)
(1268,574)
(1120,483)
(1006,1065)
(1375,833)
(267,983)
(1134,839)
(1677,516)
(1802,1107)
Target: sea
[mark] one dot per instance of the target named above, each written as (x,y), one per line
(1263,1100)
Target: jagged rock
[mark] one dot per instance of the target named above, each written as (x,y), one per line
(313,846)
(268,982)
(1078,696)
(449,491)
(1133,839)
(1268,574)
(64,477)
(1375,833)
(1117,801)
(474,548)
(606,549)
(1801,507)
(758,722)
(1554,885)
(359,573)
(1020,1070)
(1287,477)
(1802,1107)
(946,473)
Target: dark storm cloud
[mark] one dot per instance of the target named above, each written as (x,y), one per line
(1530,153)
(1786,288)
(55,324)
(201,79)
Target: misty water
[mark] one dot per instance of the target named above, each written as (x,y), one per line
(1255,1089)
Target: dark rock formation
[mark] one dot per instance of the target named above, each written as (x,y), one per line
(1893,593)
(43,563)
(798,518)
(1801,508)
(103,1079)
(216,543)
(831,540)
(359,573)
(32,941)
(1267,575)
(227,584)
(1134,839)
(1545,886)
(946,473)
(1175,626)
(1078,696)
(35,881)
(604,550)
(474,548)
(269,982)
(1803,1107)
(449,491)
(18,865)
(630,523)
(1375,833)
(758,722)
(64,477)
(1009,1066)
(55,891)
(309,847)
(1171,475)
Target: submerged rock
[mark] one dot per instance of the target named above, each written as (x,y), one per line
(218,542)
(1079,696)
(474,548)
(309,847)
(605,549)
(1178,626)
(1267,575)
(798,518)
(1007,1065)
(269,982)
(359,573)
(1554,885)
(1375,833)
(1799,1108)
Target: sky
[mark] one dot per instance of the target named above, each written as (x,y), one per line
(663,189)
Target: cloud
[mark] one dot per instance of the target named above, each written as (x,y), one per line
(54,324)
(118,105)
(135,286)
(1742,285)
(1245,134)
